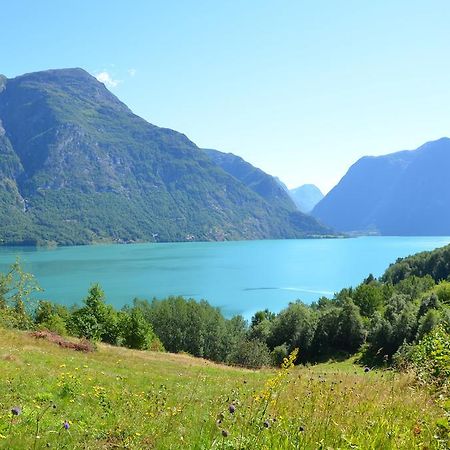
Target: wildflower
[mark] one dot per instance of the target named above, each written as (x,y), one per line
(266,424)
(301,429)
(225,433)
(366,369)
(66,425)
(232,408)
(16,411)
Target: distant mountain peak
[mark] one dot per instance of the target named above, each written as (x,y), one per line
(306,197)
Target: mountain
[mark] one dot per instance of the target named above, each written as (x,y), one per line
(263,184)
(306,197)
(404,193)
(77,166)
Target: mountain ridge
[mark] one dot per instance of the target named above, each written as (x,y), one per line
(401,193)
(78,166)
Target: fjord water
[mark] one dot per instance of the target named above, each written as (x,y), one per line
(239,277)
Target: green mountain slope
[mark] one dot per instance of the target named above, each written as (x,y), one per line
(77,166)
(267,187)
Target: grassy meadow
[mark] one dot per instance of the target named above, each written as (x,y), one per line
(119,398)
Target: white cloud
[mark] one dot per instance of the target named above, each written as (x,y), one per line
(105,78)
(132,72)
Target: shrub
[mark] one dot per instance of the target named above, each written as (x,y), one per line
(431,356)
(137,332)
(251,353)
(279,353)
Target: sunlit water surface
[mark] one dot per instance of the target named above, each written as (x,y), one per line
(239,277)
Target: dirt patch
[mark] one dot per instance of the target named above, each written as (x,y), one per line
(80,346)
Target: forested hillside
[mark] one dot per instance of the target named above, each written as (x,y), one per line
(77,166)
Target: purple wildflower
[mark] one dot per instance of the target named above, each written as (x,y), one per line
(16,411)
(232,408)
(66,425)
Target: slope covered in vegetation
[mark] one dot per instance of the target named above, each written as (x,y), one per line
(77,166)
(398,329)
(117,398)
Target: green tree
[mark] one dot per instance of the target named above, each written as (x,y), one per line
(251,354)
(350,330)
(369,298)
(17,302)
(96,320)
(136,331)
(428,322)
(261,325)
(294,326)
(187,326)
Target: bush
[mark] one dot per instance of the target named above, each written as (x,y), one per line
(279,353)
(137,333)
(54,323)
(251,353)
(96,321)
(431,357)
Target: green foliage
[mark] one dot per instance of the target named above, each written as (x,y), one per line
(96,321)
(250,353)
(187,326)
(442,291)
(369,298)
(17,288)
(261,325)
(137,332)
(414,286)
(294,326)
(435,264)
(428,322)
(350,331)
(388,331)
(279,354)
(431,356)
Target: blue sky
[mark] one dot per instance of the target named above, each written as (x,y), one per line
(301,89)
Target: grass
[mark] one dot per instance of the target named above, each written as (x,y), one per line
(118,398)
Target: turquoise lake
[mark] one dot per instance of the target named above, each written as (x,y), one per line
(239,277)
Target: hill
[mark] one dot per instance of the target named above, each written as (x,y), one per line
(306,197)
(77,166)
(435,264)
(255,179)
(405,193)
(270,188)
(117,398)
